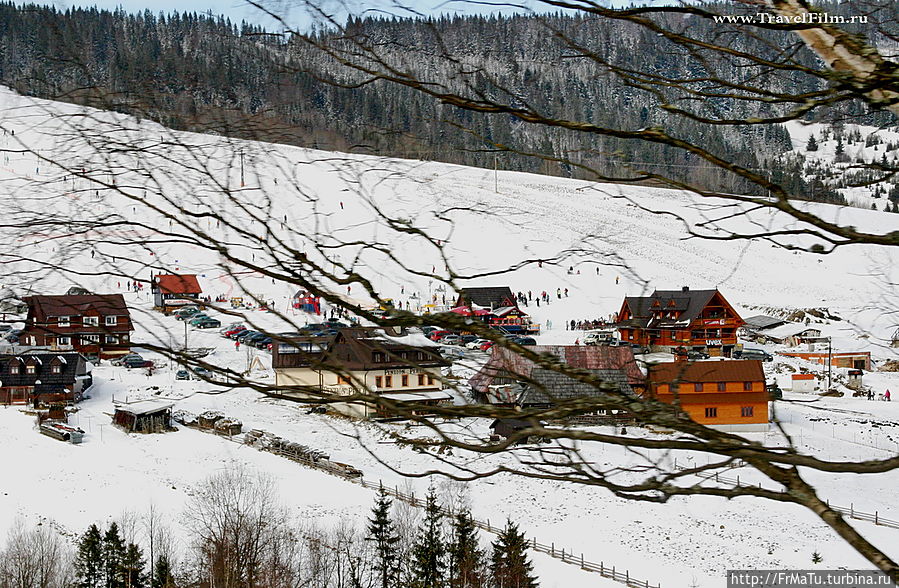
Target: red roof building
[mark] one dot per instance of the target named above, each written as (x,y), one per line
(170,290)
(730,393)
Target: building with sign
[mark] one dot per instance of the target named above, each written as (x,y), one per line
(700,320)
(171,291)
(402,368)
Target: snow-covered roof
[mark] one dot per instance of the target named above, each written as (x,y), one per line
(145,406)
(787,330)
(415,339)
(418,396)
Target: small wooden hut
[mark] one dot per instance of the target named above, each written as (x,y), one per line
(146,416)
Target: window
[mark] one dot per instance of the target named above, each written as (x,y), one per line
(112,339)
(30,369)
(63,341)
(722,386)
(343,380)
(388,381)
(430,380)
(421,379)
(747,386)
(746,411)
(711,412)
(378,381)
(404,381)
(56,369)
(110,321)
(90,339)
(91,321)
(378,357)
(697,387)
(14,368)
(63,321)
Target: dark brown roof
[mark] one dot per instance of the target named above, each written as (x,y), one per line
(689,372)
(42,307)
(505,363)
(177,284)
(489,297)
(688,304)
(356,349)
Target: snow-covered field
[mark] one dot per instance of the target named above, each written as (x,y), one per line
(293,197)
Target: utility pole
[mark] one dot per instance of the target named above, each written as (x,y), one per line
(241,169)
(829,361)
(495,175)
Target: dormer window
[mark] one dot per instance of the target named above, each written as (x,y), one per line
(110,321)
(63,321)
(14,368)
(378,357)
(91,321)
(56,369)
(31,369)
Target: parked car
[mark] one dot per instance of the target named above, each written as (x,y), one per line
(637,348)
(759,354)
(5,328)
(486,345)
(182,375)
(262,343)
(696,354)
(121,360)
(466,339)
(428,330)
(476,344)
(139,362)
(245,334)
(438,334)
(450,339)
(524,340)
(235,332)
(227,328)
(195,319)
(201,372)
(774,391)
(208,323)
(252,339)
(186,312)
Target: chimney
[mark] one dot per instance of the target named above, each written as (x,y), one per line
(685,289)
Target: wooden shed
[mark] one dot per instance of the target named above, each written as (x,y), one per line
(146,416)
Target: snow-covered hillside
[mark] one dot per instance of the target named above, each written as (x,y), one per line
(838,154)
(75,165)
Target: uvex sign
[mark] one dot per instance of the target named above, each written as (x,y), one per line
(713,321)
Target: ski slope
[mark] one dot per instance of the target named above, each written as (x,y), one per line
(153,189)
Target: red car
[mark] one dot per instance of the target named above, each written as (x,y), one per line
(230,334)
(438,335)
(486,345)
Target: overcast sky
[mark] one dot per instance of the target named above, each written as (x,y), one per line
(238,10)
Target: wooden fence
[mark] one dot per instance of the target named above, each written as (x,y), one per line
(858,515)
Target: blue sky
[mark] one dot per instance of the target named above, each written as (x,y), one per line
(238,10)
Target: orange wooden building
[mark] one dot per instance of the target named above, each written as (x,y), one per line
(730,394)
(700,320)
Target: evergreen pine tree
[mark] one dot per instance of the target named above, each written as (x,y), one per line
(509,565)
(381,531)
(466,559)
(113,555)
(162,573)
(133,567)
(89,559)
(429,550)
(812,144)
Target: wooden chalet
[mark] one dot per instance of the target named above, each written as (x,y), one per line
(43,378)
(171,291)
(404,368)
(728,394)
(512,380)
(95,325)
(700,320)
(497,306)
